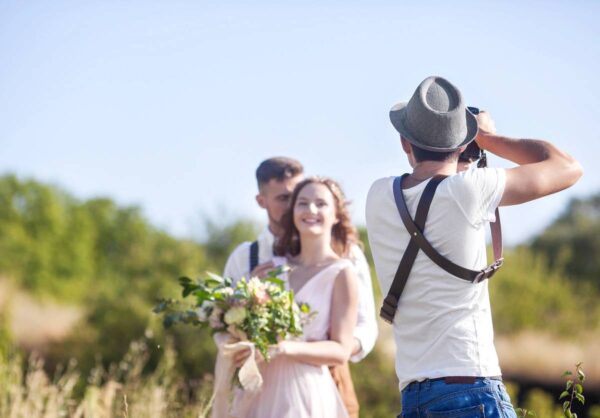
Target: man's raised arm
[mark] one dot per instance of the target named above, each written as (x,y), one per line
(543,168)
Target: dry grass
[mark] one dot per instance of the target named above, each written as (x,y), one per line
(542,357)
(122,391)
(33,323)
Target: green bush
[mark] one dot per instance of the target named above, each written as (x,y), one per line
(526,294)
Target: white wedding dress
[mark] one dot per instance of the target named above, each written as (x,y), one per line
(292,389)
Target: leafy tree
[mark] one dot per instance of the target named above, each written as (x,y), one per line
(573,240)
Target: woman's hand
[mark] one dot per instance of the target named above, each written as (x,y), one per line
(241,356)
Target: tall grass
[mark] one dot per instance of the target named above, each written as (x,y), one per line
(122,390)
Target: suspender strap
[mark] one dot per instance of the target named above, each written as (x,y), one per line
(418,241)
(390,304)
(253,255)
(416,234)
(496,228)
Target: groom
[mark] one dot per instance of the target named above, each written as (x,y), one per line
(276,179)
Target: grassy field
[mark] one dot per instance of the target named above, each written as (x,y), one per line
(81,278)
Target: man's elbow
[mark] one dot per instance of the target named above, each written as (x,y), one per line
(573,172)
(577,171)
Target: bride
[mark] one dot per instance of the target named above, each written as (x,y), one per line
(318,234)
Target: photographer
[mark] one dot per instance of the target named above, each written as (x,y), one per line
(446,361)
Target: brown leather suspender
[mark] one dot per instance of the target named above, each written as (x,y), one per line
(418,241)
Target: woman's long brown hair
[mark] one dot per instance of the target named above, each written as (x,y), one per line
(343,233)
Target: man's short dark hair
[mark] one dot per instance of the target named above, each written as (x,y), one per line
(278,168)
(426,155)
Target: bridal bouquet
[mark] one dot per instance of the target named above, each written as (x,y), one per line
(260,311)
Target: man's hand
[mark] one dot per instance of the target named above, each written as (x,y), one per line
(486,123)
(262,270)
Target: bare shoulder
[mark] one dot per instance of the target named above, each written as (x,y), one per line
(346,277)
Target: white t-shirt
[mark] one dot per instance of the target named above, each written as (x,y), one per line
(443,325)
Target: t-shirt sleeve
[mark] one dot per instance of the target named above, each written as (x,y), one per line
(478,192)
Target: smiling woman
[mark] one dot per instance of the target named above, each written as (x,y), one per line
(317,234)
(313,199)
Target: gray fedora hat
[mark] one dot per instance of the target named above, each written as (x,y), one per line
(436,117)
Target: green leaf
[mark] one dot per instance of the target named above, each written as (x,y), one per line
(567,373)
(278,271)
(276,281)
(184,280)
(563,395)
(580,398)
(566,404)
(580,375)
(578,388)
(569,384)
(214,277)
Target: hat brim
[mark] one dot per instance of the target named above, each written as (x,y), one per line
(398,117)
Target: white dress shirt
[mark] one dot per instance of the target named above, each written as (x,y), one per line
(238,266)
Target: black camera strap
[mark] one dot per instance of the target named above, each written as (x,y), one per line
(418,241)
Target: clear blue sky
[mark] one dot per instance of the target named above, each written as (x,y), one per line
(171,105)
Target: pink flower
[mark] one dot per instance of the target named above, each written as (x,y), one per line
(261,296)
(258,290)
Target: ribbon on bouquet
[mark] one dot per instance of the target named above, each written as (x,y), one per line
(249,377)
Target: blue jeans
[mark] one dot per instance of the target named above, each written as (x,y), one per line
(438,399)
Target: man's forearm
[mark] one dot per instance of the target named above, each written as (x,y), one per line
(519,151)
(542,169)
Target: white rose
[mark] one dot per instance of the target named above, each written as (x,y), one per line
(235,315)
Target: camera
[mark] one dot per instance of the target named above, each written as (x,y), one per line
(473,153)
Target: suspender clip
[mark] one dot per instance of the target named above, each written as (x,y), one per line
(489,271)
(388,309)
